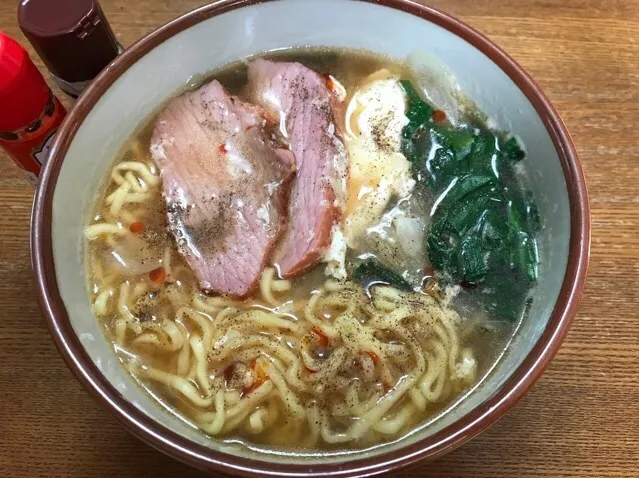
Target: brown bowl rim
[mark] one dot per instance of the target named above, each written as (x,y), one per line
(430,447)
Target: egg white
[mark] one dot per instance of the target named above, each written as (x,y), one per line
(377,170)
(375,118)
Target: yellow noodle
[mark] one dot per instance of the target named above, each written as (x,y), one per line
(201,303)
(256,319)
(327,368)
(183,362)
(138,290)
(332,285)
(224,350)
(204,322)
(293,376)
(309,314)
(178,384)
(237,414)
(100,303)
(266,287)
(125,312)
(368,368)
(432,382)
(140,168)
(393,425)
(176,337)
(118,198)
(414,339)
(281,285)
(96,230)
(232,397)
(314,418)
(257,419)
(273,409)
(136,186)
(128,217)
(224,302)
(150,338)
(417,398)
(287,308)
(119,329)
(201,372)
(290,400)
(215,425)
(136,198)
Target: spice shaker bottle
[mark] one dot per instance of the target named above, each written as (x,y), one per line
(29,112)
(73,38)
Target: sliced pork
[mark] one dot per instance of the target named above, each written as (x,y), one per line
(301,101)
(226,186)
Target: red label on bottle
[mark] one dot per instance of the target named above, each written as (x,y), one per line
(30,146)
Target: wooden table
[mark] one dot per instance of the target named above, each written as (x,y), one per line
(581,419)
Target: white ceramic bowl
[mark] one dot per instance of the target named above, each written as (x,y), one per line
(135,84)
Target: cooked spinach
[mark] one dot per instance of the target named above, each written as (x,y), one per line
(483,224)
(371,272)
(419,112)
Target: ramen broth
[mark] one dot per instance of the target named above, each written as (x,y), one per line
(313,362)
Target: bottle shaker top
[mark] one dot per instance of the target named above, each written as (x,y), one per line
(72,37)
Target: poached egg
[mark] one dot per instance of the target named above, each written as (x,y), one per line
(377,169)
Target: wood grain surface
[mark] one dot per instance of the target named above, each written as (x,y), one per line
(582,417)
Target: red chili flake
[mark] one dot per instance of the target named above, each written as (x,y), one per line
(321,337)
(254,386)
(229,371)
(429,271)
(222,148)
(249,127)
(330,84)
(373,356)
(439,116)
(387,387)
(137,227)
(260,377)
(158,275)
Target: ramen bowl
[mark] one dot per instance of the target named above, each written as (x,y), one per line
(145,75)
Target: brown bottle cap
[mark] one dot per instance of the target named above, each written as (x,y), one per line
(72,37)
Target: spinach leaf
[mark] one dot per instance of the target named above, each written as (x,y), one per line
(460,187)
(443,248)
(472,258)
(372,272)
(512,150)
(419,112)
(484,225)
